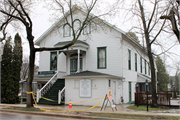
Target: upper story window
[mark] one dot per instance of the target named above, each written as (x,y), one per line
(77,26)
(87,29)
(101,57)
(129,59)
(53,60)
(135,61)
(141,64)
(149,68)
(145,67)
(66,30)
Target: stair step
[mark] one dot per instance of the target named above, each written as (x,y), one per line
(52,93)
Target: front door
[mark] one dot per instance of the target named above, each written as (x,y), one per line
(74,65)
(114,91)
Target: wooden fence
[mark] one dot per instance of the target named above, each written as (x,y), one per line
(173,94)
(163,98)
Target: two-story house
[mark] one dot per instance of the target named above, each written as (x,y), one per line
(103,59)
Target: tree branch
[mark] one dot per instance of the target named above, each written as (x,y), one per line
(171,17)
(25,13)
(154,9)
(158,32)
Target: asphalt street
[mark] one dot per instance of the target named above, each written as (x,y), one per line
(15,116)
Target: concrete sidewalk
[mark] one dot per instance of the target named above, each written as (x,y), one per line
(120,109)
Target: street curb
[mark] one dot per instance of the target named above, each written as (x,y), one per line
(55,114)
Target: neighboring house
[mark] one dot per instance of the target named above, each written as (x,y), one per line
(173,80)
(100,61)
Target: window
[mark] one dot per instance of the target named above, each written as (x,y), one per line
(149,68)
(74,65)
(145,67)
(109,83)
(130,97)
(129,59)
(77,26)
(101,57)
(66,30)
(135,62)
(53,61)
(87,29)
(141,64)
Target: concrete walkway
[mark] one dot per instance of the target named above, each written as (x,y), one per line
(120,109)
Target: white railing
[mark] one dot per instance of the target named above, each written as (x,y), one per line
(61,95)
(45,88)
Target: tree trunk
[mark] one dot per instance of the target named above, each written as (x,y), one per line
(153,80)
(150,55)
(29,101)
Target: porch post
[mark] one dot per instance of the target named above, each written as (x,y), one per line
(78,70)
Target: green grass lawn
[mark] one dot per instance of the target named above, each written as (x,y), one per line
(23,109)
(144,108)
(133,116)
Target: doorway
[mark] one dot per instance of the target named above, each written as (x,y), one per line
(114,91)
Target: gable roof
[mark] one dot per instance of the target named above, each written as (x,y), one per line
(105,22)
(91,74)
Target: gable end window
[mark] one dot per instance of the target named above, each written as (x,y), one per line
(77,26)
(87,29)
(66,30)
(101,57)
(129,59)
(53,60)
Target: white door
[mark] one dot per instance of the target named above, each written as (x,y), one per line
(114,91)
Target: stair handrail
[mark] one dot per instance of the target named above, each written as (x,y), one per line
(60,95)
(39,91)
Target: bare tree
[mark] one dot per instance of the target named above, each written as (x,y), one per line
(146,14)
(174,16)
(17,11)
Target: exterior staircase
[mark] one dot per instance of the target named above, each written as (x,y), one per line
(52,93)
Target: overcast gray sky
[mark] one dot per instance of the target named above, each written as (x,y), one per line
(42,20)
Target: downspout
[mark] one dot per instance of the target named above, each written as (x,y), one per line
(78,70)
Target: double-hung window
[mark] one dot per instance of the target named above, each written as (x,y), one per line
(129,59)
(135,62)
(53,60)
(141,64)
(87,29)
(145,67)
(101,57)
(76,26)
(66,30)
(149,68)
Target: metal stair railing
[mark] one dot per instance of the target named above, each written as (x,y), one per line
(61,95)
(46,87)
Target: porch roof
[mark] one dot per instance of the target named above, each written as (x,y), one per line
(144,76)
(66,42)
(92,74)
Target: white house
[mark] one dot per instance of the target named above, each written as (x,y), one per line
(103,59)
